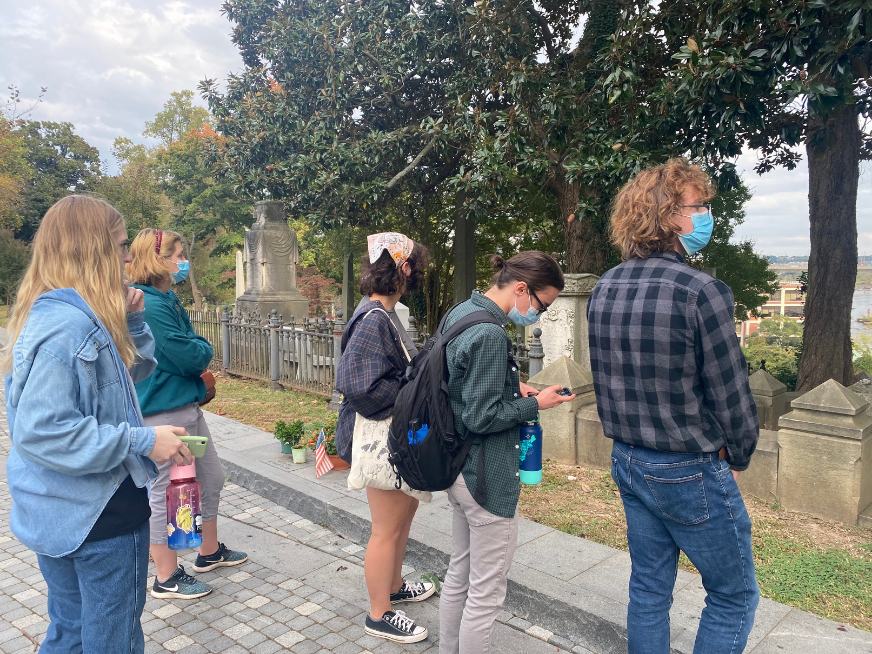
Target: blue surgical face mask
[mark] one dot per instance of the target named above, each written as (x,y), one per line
(703,223)
(182,273)
(531,318)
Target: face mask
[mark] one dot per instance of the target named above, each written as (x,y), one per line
(703,223)
(531,318)
(182,273)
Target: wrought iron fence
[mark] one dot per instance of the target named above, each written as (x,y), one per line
(249,347)
(207,323)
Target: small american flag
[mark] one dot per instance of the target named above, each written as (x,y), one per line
(322,461)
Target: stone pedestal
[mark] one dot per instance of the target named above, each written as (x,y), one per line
(240,275)
(558,424)
(761,477)
(272,256)
(564,325)
(594,449)
(825,454)
(771,398)
(402,312)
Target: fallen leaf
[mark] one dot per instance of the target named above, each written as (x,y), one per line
(585,487)
(341,568)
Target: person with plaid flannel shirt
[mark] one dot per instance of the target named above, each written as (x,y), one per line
(672,391)
(489,404)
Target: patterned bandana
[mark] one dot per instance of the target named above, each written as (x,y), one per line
(398,245)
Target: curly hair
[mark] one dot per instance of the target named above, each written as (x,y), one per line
(642,214)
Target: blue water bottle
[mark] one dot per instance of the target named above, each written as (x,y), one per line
(531,452)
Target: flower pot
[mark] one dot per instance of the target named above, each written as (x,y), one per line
(338,463)
(299,455)
(286,448)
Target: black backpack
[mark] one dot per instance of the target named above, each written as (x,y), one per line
(425,451)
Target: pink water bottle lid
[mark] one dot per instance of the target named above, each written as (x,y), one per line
(183,471)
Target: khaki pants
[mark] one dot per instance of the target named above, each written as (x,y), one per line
(482,548)
(210,473)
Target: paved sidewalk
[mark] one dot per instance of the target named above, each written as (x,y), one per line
(301,591)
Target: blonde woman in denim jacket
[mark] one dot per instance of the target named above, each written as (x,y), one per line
(81,457)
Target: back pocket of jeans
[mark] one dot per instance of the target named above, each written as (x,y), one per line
(682,500)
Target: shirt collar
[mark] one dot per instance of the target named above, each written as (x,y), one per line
(668,254)
(479,299)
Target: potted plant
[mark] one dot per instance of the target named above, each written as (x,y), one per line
(292,439)
(329,427)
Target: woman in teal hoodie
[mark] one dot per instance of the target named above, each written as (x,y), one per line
(172,395)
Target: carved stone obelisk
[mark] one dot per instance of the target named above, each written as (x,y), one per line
(271,256)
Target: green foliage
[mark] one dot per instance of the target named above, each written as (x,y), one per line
(863,353)
(15,173)
(431,578)
(61,163)
(777,342)
(290,434)
(178,117)
(14,257)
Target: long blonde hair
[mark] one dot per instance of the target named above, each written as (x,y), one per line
(75,247)
(146,250)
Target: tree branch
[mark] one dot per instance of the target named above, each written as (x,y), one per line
(405,171)
(393,97)
(546,31)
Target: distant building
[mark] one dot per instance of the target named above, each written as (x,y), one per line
(786,301)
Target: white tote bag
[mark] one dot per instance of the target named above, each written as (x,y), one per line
(369,452)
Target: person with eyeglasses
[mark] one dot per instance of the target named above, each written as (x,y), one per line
(489,405)
(672,391)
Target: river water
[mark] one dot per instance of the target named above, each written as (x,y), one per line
(861,306)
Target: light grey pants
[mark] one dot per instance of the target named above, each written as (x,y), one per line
(210,474)
(482,547)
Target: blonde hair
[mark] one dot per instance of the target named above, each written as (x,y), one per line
(75,247)
(147,268)
(643,212)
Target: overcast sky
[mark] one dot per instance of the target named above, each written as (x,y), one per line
(109,66)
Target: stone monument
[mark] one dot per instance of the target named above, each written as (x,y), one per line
(271,258)
(564,325)
(240,275)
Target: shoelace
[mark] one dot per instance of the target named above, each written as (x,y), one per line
(184,577)
(401,622)
(415,588)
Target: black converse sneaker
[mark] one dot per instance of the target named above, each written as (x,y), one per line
(413,591)
(395,626)
(180,586)
(224,557)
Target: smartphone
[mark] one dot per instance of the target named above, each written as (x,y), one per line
(565,392)
(197,444)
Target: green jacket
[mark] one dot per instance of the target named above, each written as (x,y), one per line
(181,355)
(485,395)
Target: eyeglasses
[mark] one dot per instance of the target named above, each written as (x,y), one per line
(536,297)
(705,205)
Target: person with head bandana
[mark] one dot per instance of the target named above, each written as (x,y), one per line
(369,375)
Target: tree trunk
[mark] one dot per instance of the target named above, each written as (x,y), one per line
(833,150)
(464,250)
(195,291)
(587,244)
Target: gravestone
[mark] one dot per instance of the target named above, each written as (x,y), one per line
(770,396)
(240,275)
(564,325)
(271,255)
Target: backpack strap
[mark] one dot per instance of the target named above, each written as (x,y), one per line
(399,336)
(475,318)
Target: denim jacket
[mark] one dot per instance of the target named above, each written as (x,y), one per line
(74,420)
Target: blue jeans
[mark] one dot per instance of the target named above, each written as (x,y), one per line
(96,596)
(689,502)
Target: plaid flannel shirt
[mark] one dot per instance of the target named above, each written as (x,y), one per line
(668,371)
(370,371)
(485,396)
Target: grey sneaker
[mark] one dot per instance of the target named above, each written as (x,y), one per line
(180,586)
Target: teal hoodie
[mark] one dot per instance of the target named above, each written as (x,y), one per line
(181,355)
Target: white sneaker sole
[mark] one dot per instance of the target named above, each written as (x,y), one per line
(419,598)
(174,595)
(397,639)
(219,564)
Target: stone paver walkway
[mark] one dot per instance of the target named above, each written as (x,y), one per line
(301,591)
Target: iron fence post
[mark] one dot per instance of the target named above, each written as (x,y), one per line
(537,353)
(274,352)
(225,339)
(338,329)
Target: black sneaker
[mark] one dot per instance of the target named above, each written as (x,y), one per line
(395,626)
(224,557)
(180,586)
(413,591)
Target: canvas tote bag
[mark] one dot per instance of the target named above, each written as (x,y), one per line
(369,450)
